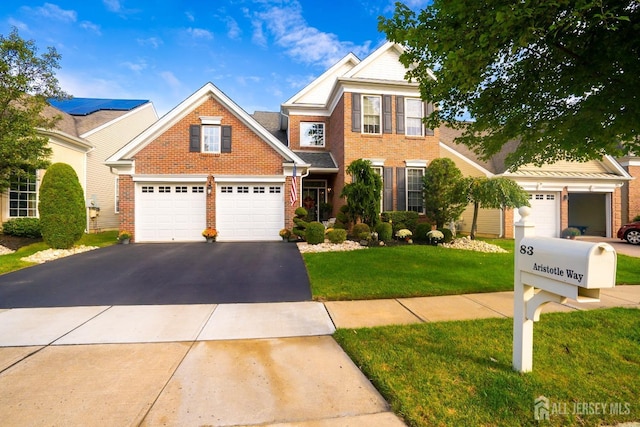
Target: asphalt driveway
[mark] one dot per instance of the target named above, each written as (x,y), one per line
(161,274)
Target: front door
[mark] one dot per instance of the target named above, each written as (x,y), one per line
(314,197)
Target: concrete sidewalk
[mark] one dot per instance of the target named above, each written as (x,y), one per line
(223,365)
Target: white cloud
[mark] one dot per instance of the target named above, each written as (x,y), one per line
(302,42)
(18,24)
(247,80)
(113,5)
(200,33)
(86,86)
(53,11)
(90,26)
(233,29)
(171,80)
(136,67)
(154,42)
(190,16)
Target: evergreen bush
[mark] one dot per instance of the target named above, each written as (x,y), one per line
(385,231)
(401,219)
(314,233)
(448,235)
(22,227)
(421,232)
(62,208)
(360,229)
(337,235)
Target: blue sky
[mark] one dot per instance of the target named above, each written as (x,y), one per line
(259,52)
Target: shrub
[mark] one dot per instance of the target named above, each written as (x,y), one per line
(636,218)
(300,223)
(385,231)
(62,209)
(401,219)
(360,229)
(337,235)
(570,232)
(301,212)
(314,233)
(342,218)
(448,235)
(421,232)
(22,227)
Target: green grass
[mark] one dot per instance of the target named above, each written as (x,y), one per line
(420,270)
(13,262)
(460,373)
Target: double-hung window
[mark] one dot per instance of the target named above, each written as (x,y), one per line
(23,200)
(371,114)
(211,139)
(415,199)
(413,117)
(311,134)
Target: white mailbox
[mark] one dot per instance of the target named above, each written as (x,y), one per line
(573,269)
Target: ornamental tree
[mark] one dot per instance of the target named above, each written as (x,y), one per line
(62,210)
(444,192)
(363,193)
(493,193)
(560,76)
(26,82)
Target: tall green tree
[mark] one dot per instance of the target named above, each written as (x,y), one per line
(363,192)
(493,193)
(444,191)
(561,76)
(26,82)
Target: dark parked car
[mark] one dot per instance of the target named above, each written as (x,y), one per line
(630,232)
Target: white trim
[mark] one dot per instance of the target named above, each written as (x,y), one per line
(416,163)
(169,178)
(376,162)
(245,178)
(206,120)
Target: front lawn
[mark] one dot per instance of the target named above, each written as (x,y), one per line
(586,364)
(13,262)
(421,270)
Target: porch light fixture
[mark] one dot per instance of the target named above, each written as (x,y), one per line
(209,188)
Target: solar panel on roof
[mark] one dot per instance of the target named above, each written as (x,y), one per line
(86,106)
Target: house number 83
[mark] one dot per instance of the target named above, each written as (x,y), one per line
(526,250)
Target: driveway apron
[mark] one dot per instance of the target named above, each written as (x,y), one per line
(160,274)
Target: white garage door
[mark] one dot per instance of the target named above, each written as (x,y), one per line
(170,212)
(545,213)
(249,211)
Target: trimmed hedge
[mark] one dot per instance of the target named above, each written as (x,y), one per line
(22,227)
(385,231)
(360,229)
(421,232)
(314,233)
(62,210)
(448,235)
(337,235)
(401,219)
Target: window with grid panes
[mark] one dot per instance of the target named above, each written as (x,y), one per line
(371,114)
(415,199)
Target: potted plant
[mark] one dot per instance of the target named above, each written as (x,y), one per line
(285,234)
(570,233)
(124,237)
(405,234)
(210,234)
(435,237)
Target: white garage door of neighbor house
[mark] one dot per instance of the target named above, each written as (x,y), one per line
(249,211)
(545,213)
(170,212)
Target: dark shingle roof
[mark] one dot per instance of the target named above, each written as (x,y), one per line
(271,122)
(318,159)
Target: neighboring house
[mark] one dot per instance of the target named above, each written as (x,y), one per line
(88,131)
(358,109)
(631,191)
(584,195)
(207,163)
(21,199)
(107,124)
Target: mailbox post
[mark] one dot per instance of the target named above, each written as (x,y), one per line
(552,270)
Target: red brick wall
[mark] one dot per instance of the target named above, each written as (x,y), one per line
(169,154)
(634,193)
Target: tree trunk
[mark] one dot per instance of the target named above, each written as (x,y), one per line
(474,223)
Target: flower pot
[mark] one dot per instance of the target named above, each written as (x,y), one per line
(210,239)
(124,241)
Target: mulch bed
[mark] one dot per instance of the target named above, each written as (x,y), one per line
(15,242)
